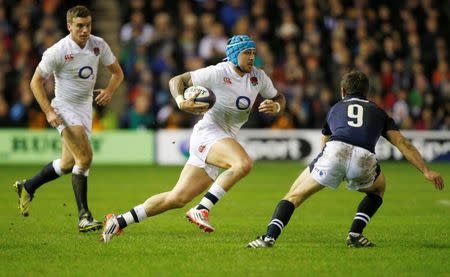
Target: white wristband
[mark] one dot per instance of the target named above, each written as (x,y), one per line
(278,109)
(179,99)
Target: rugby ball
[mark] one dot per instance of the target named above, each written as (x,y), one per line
(205,96)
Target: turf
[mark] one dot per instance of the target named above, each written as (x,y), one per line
(412,228)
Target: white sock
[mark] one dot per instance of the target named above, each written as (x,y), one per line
(213,195)
(140,211)
(57,167)
(135,215)
(79,171)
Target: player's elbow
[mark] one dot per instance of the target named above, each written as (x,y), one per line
(34,83)
(174,81)
(119,75)
(404,145)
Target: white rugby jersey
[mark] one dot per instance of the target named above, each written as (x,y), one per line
(235,95)
(75,69)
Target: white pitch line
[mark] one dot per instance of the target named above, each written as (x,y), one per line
(444,202)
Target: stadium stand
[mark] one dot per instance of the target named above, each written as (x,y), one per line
(305,46)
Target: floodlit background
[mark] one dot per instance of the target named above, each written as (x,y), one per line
(304,46)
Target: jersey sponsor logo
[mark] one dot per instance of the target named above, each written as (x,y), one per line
(85,72)
(201,148)
(320,172)
(254,81)
(242,102)
(96,51)
(227,81)
(68,57)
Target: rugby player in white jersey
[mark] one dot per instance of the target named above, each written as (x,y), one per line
(74,62)
(236,83)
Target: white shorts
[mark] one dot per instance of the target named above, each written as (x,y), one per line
(204,135)
(340,161)
(74,115)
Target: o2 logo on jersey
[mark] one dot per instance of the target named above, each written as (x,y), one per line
(242,103)
(85,72)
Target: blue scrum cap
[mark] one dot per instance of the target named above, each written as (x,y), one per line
(237,44)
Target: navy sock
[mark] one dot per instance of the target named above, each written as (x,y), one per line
(366,209)
(79,184)
(122,222)
(280,218)
(46,174)
(201,207)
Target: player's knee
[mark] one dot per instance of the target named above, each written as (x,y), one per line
(380,187)
(66,170)
(382,190)
(244,166)
(379,191)
(66,167)
(85,161)
(88,160)
(247,165)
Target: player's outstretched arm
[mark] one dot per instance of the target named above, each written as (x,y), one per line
(104,95)
(178,85)
(275,105)
(37,87)
(414,157)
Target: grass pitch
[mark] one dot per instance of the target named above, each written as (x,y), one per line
(411,229)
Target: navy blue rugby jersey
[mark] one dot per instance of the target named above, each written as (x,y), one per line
(357,121)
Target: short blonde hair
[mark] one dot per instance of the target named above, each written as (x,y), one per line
(77,11)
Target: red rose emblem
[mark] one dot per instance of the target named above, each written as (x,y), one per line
(201,148)
(254,81)
(227,81)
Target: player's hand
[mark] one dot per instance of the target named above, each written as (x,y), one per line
(104,96)
(190,106)
(269,106)
(435,178)
(53,118)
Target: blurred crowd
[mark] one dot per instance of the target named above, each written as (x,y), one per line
(305,46)
(27,29)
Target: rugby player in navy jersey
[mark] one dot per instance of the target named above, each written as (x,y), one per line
(350,133)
